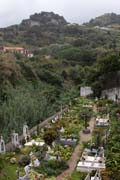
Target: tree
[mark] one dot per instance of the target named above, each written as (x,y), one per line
(49,136)
(85,114)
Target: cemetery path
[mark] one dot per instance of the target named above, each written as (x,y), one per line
(78,151)
(87,137)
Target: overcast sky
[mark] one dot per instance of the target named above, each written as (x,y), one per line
(79,11)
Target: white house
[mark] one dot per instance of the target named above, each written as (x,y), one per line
(85,91)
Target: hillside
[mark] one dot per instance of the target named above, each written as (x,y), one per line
(40,29)
(46,28)
(66,56)
(105,20)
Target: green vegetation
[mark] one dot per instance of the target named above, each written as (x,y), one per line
(66,57)
(52,168)
(78,176)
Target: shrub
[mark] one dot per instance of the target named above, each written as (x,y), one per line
(25,160)
(1,162)
(17,150)
(52,168)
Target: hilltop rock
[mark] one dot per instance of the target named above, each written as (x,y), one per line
(44,18)
(105,20)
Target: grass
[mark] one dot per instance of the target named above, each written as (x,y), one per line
(78,175)
(9,172)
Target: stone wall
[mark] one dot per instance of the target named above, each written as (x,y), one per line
(9,146)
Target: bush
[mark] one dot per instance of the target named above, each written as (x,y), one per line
(52,168)
(25,160)
(1,162)
(17,150)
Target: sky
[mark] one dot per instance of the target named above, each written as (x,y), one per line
(74,11)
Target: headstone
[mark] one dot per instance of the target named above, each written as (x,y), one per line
(42,130)
(2,145)
(56,118)
(36,163)
(27,169)
(53,144)
(26,133)
(62,130)
(17,173)
(108,116)
(15,139)
(49,149)
(25,130)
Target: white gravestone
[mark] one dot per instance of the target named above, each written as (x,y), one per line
(25,130)
(15,139)
(2,145)
(26,134)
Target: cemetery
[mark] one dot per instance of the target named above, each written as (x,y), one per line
(39,151)
(44,153)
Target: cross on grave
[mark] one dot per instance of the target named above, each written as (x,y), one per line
(2,145)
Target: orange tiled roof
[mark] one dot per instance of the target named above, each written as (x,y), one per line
(13,48)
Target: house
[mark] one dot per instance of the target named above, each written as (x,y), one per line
(28,53)
(12,49)
(86,91)
(15,49)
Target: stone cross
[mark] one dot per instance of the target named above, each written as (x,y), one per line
(2,145)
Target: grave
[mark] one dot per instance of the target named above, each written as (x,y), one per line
(2,145)
(62,130)
(24,178)
(88,105)
(49,157)
(15,139)
(102,122)
(25,130)
(96,176)
(90,163)
(68,141)
(92,149)
(89,166)
(33,142)
(26,133)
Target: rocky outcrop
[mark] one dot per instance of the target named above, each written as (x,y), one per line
(44,18)
(105,20)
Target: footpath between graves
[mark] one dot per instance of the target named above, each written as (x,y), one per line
(78,150)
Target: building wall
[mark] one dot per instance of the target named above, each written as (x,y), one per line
(86,91)
(113,93)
